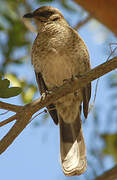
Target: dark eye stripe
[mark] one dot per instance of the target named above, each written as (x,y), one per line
(45,14)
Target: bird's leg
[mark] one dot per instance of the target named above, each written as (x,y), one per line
(46,93)
(66,80)
(73,77)
(54,88)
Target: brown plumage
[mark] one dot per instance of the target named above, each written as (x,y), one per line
(58,53)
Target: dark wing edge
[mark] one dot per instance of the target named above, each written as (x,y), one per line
(86,99)
(43,88)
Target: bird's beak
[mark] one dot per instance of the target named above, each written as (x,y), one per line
(29,15)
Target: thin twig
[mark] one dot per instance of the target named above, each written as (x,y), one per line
(6,121)
(112,53)
(22,121)
(81,23)
(29,25)
(1,114)
(44,111)
(111,174)
(9,107)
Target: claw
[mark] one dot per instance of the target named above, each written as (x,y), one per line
(65,81)
(45,94)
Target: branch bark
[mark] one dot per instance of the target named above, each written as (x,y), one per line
(111,174)
(24,113)
(9,107)
(81,23)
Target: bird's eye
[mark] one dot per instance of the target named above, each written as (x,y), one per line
(55,19)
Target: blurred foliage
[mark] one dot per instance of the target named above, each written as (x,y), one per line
(12,38)
(29,89)
(13,33)
(112,83)
(111,139)
(113,80)
(110,145)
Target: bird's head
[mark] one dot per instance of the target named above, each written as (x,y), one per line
(46,15)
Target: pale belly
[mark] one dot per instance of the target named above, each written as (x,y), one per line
(55,69)
(54,73)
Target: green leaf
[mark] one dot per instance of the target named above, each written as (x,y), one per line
(4,83)
(10,92)
(6,91)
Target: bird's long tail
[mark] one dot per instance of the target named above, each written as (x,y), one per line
(72,147)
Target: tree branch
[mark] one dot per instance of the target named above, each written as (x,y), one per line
(74,84)
(81,23)
(111,174)
(9,107)
(29,25)
(24,113)
(6,121)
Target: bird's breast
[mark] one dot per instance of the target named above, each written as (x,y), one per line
(59,56)
(55,67)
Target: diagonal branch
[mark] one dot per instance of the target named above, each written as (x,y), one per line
(24,113)
(6,121)
(74,84)
(9,107)
(22,120)
(111,174)
(81,23)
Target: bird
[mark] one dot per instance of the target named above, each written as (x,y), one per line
(59,54)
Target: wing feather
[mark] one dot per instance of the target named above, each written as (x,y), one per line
(43,88)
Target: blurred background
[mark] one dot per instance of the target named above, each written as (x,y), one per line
(35,153)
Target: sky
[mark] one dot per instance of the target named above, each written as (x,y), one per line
(35,153)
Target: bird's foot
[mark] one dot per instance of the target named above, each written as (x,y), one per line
(78,76)
(66,80)
(54,88)
(46,93)
(73,77)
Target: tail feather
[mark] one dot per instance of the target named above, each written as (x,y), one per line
(72,147)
